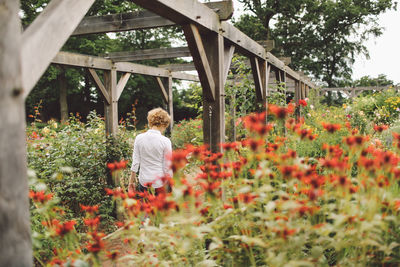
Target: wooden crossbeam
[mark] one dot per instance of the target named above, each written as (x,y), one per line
(79,60)
(184,76)
(162,89)
(85,61)
(159,53)
(142,19)
(363,88)
(179,67)
(259,74)
(200,59)
(100,85)
(138,20)
(229,50)
(46,35)
(122,83)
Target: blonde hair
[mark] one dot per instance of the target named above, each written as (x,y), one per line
(158,117)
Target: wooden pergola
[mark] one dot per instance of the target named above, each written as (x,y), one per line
(352,92)
(25,55)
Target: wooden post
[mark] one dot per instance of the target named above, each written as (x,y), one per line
(170,102)
(15,241)
(111,109)
(214,111)
(63,95)
(165,86)
(208,56)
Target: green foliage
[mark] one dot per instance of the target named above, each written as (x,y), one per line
(72,162)
(379,108)
(187,132)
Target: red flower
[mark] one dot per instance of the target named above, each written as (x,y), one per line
(331,127)
(65,228)
(302,102)
(117,165)
(281,112)
(247,198)
(111,166)
(380,128)
(97,244)
(90,209)
(40,196)
(227,206)
(92,222)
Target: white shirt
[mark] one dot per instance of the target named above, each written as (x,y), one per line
(151,152)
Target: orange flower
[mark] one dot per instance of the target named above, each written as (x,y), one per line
(65,228)
(380,128)
(40,196)
(281,112)
(331,127)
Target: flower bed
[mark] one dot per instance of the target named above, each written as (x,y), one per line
(262,202)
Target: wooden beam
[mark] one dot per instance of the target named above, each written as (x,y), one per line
(142,19)
(122,83)
(159,53)
(170,102)
(258,70)
(214,109)
(200,60)
(185,76)
(363,88)
(111,109)
(229,50)
(224,9)
(267,77)
(162,89)
(179,67)
(141,69)
(85,61)
(100,85)
(46,35)
(15,241)
(79,60)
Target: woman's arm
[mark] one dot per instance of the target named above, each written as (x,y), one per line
(132,182)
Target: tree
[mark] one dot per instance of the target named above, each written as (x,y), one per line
(381,80)
(322,37)
(266,10)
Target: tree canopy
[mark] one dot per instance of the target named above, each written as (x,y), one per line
(322,37)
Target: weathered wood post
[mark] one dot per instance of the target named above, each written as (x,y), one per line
(165,86)
(62,81)
(111,109)
(15,241)
(259,70)
(170,102)
(208,56)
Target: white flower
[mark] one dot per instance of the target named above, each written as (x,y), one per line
(312,106)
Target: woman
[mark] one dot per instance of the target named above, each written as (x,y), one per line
(151,153)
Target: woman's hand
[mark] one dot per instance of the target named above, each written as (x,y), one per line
(132,183)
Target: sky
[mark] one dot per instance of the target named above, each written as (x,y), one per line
(384,50)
